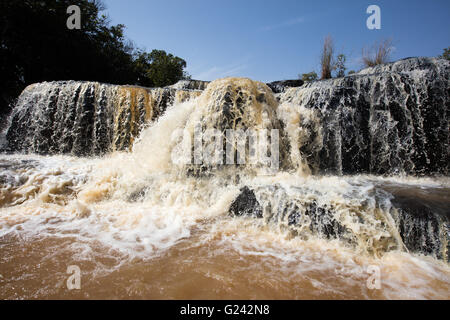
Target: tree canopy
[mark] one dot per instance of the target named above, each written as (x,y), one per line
(36,45)
(158,69)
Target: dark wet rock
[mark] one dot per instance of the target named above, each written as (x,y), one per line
(137,195)
(290,213)
(246,204)
(423,219)
(280,86)
(322,220)
(389,119)
(423,231)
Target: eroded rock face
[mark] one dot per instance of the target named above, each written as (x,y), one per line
(289,209)
(385,120)
(385,219)
(246,204)
(422,217)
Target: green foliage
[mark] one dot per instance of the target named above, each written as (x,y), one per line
(308,77)
(159,69)
(340,66)
(446,54)
(351,72)
(36,46)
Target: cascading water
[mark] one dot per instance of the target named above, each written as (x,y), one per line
(387,120)
(139,225)
(85,118)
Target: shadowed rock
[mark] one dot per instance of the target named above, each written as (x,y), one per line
(389,119)
(246,204)
(320,219)
(323,222)
(423,219)
(280,86)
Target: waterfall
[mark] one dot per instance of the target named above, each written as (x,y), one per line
(382,121)
(85,118)
(387,120)
(360,176)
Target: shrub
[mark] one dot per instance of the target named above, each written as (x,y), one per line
(378,54)
(327,60)
(308,77)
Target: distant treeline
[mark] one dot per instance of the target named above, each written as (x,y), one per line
(36,45)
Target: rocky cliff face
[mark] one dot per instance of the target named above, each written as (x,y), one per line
(384,120)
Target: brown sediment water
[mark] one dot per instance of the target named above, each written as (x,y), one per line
(143,249)
(222,267)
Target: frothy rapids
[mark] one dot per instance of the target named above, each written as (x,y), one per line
(140,226)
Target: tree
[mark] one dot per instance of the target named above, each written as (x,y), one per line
(378,54)
(327,59)
(309,77)
(36,46)
(351,72)
(446,54)
(339,65)
(159,69)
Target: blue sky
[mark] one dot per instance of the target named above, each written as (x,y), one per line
(274,40)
